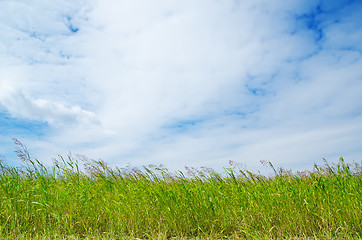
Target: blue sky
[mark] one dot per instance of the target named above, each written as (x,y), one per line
(182,83)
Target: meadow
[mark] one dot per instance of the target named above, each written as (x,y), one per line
(98,202)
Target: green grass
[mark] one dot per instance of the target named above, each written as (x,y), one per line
(62,202)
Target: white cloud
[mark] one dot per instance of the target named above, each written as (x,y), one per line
(56,114)
(184,83)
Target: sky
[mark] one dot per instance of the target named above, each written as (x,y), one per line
(182,83)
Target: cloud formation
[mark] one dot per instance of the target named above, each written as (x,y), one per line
(186,83)
(55,114)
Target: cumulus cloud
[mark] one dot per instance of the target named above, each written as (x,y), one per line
(20,105)
(186,83)
(55,114)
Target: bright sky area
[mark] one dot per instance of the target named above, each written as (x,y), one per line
(182,83)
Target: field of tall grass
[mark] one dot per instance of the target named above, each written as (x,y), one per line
(63,202)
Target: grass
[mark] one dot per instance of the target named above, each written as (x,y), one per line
(62,202)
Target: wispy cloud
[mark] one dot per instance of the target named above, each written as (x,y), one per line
(185,83)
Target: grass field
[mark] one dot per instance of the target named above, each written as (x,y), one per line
(62,202)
